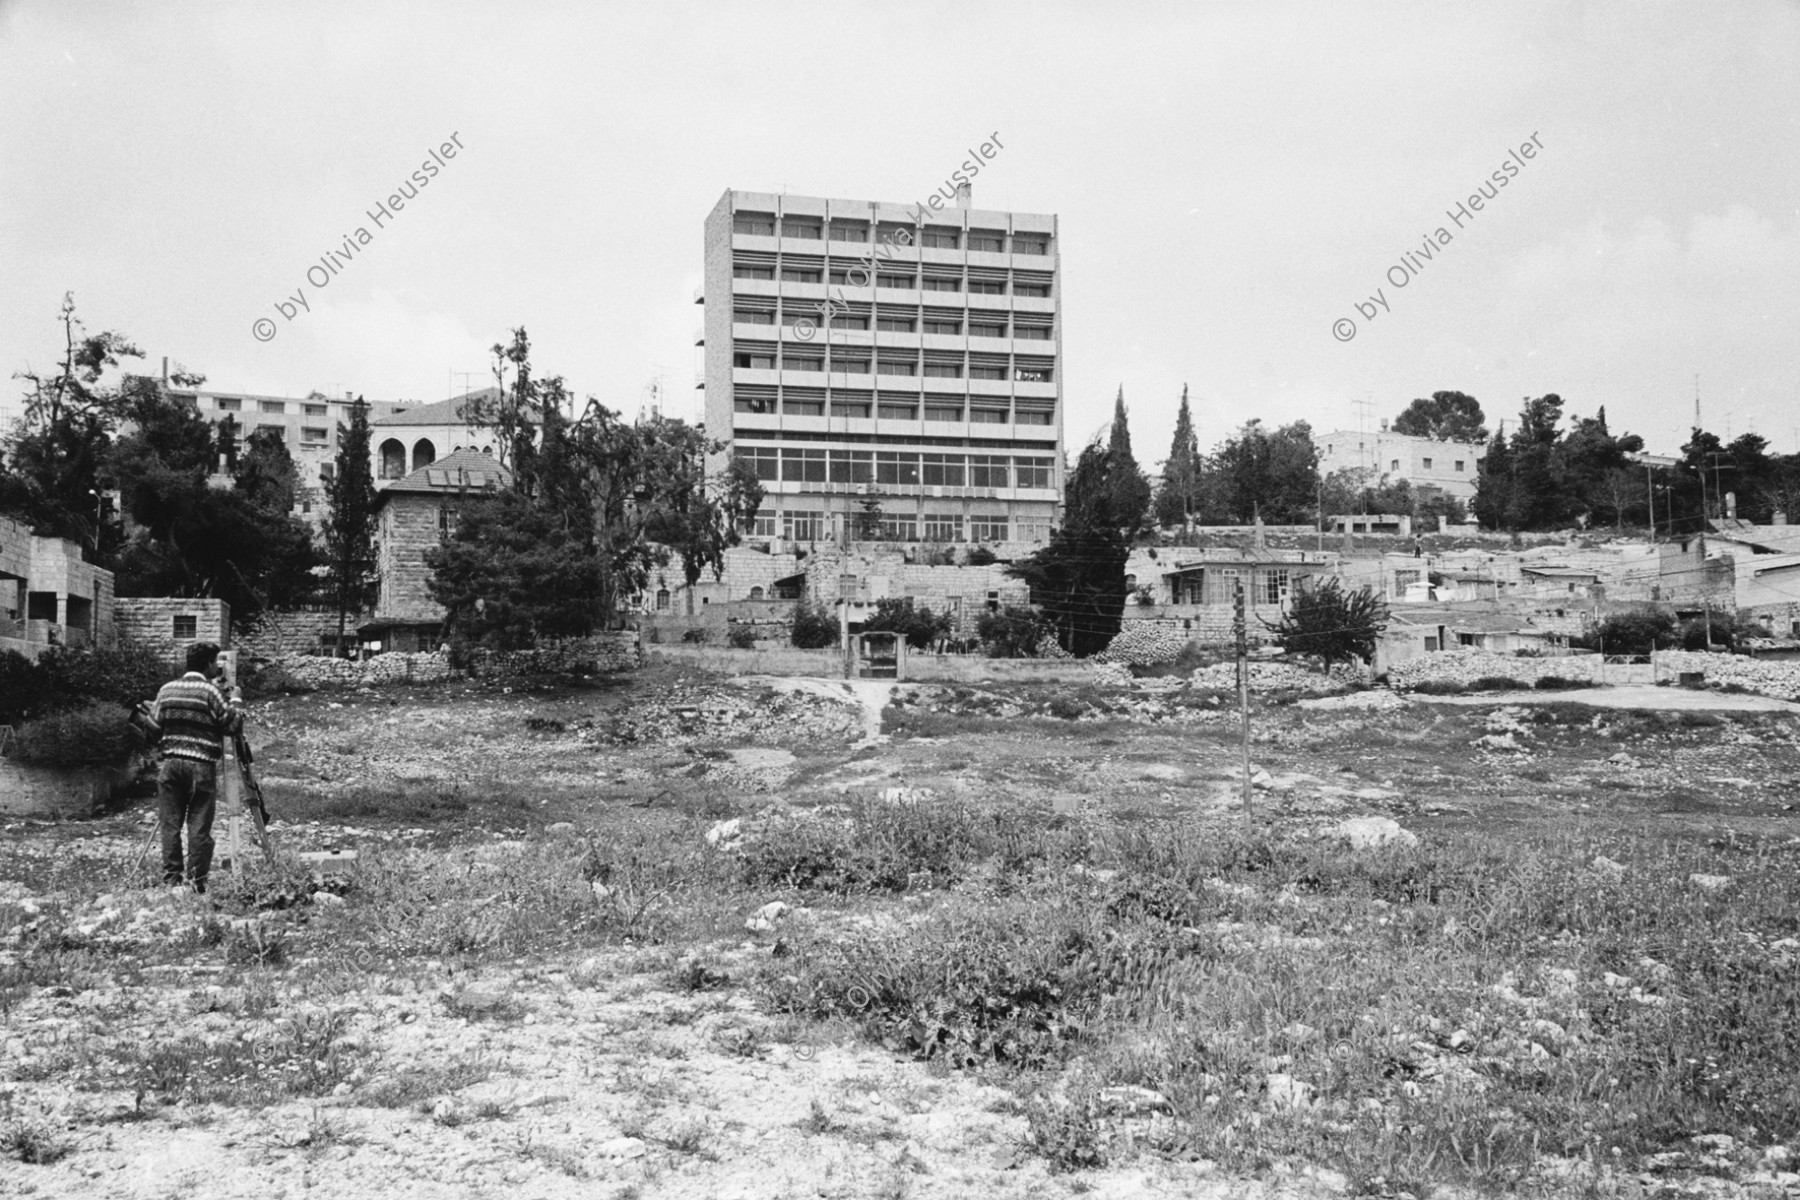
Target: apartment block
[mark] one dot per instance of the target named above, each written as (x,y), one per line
(1392,457)
(885,369)
(307,424)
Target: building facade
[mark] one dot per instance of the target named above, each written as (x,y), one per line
(49,594)
(307,424)
(885,368)
(1392,457)
(412,515)
(403,441)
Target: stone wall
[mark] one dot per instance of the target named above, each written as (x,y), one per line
(296,631)
(965,591)
(149,621)
(601,652)
(1770,678)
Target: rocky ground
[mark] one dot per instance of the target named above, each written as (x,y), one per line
(289,1036)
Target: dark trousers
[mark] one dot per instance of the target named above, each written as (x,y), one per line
(186,795)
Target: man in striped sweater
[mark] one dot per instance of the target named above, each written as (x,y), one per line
(195,720)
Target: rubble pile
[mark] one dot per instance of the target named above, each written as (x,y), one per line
(1144,644)
(687,714)
(1171,701)
(1266,676)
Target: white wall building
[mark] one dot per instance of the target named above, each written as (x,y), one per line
(1392,457)
(934,388)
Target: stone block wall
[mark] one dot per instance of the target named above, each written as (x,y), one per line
(297,631)
(150,621)
(409,526)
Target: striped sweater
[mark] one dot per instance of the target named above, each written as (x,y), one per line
(195,718)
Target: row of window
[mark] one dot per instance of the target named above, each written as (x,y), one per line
(901,279)
(792,464)
(1218,585)
(1461,466)
(807,525)
(936,237)
(896,362)
(889,320)
(235,404)
(859,406)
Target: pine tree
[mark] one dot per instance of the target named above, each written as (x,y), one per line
(1129,490)
(350,529)
(1181,473)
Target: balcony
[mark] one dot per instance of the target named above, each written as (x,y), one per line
(699,335)
(763,243)
(700,295)
(1033,304)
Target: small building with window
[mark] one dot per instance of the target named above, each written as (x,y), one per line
(412,514)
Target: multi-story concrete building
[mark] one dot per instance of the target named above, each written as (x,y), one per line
(883,365)
(307,424)
(1392,457)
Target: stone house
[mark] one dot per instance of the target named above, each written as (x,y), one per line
(1195,589)
(168,625)
(412,514)
(868,572)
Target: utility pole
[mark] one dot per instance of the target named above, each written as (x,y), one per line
(1241,629)
(1650,485)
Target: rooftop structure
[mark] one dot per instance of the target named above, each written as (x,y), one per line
(880,365)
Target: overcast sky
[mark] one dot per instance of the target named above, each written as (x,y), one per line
(1231,180)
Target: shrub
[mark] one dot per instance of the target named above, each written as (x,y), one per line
(63,679)
(695,637)
(981,556)
(1440,687)
(1557,683)
(741,637)
(1494,683)
(1013,632)
(916,623)
(1633,633)
(1725,632)
(814,628)
(97,734)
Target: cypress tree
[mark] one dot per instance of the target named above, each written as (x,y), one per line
(350,529)
(1129,490)
(1181,474)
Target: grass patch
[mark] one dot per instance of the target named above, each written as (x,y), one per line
(1431,1014)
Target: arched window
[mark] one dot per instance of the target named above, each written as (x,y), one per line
(662,600)
(424,453)
(393,459)
(488,450)
(756,593)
